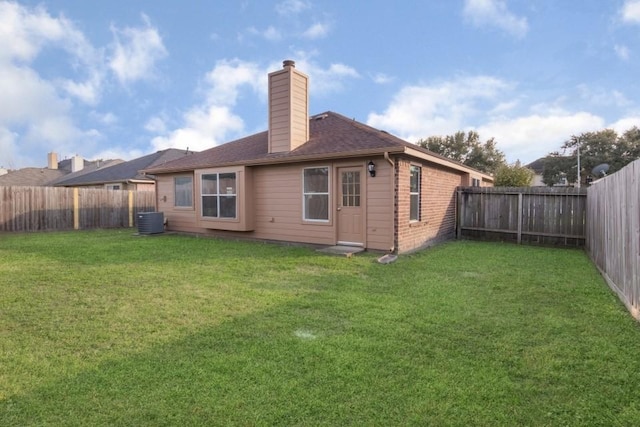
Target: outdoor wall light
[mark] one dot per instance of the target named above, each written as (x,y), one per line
(372,169)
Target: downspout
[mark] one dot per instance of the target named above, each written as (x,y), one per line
(393,191)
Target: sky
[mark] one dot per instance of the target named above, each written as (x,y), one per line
(122,79)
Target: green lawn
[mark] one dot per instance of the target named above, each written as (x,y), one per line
(108,328)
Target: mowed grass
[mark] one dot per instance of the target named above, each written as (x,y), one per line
(107,328)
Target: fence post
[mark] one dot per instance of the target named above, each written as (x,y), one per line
(460,214)
(130,208)
(76,209)
(519,217)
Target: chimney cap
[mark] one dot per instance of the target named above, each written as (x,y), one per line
(288,63)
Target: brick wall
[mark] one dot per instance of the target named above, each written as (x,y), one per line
(437,205)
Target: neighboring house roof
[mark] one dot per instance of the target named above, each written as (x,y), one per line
(31,176)
(90,167)
(537,165)
(331,135)
(125,171)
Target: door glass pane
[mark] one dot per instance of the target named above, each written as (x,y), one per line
(350,188)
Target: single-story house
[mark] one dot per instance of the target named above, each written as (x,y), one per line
(324,179)
(122,175)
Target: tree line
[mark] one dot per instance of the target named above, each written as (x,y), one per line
(603,147)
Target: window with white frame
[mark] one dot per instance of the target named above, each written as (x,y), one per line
(183,191)
(219,197)
(315,193)
(414,193)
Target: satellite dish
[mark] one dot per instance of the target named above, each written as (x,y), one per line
(600,170)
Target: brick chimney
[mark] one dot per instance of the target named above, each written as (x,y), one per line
(52,160)
(288,108)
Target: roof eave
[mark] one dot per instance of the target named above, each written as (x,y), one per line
(285,159)
(448,163)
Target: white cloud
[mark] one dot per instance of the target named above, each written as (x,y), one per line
(292,7)
(624,124)
(270,34)
(204,127)
(36,112)
(603,97)
(622,52)
(381,78)
(213,122)
(487,105)
(324,80)
(532,136)
(494,13)
(156,125)
(136,51)
(317,31)
(439,109)
(631,11)
(228,76)
(106,118)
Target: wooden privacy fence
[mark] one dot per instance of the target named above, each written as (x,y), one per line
(58,208)
(613,232)
(535,215)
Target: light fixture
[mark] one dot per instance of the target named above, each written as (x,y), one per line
(372,169)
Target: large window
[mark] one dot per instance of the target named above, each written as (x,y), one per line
(414,193)
(315,191)
(219,195)
(183,191)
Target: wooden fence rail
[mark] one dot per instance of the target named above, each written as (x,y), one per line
(613,233)
(534,215)
(57,208)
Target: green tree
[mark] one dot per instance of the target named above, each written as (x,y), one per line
(604,146)
(467,149)
(513,176)
(557,167)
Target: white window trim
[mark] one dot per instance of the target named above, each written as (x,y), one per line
(328,194)
(414,193)
(218,194)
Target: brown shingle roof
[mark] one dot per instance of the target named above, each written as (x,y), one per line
(331,135)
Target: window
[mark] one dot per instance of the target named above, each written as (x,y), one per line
(414,193)
(315,191)
(219,195)
(183,191)
(351,188)
(113,186)
(475,182)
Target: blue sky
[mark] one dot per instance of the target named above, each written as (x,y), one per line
(123,79)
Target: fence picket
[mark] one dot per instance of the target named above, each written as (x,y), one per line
(52,208)
(613,232)
(529,214)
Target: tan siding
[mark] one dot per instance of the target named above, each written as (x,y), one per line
(278,205)
(380,206)
(276,198)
